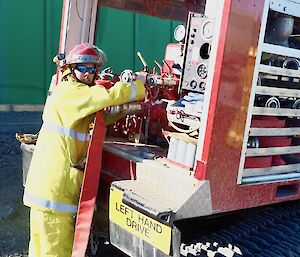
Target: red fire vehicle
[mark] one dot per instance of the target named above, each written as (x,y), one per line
(217,133)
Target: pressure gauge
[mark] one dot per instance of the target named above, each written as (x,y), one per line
(193,84)
(126,76)
(179,33)
(202,71)
(207,30)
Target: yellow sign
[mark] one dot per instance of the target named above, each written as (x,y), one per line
(142,226)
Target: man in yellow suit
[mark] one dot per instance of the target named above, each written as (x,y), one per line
(53,184)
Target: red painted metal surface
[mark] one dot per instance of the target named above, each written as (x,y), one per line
(165,9)
(201,167)
(258,162)
(228,111)
(89,188)
(117,168)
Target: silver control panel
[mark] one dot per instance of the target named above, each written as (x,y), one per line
(197,51)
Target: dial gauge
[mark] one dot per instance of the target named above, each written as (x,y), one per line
(179,33)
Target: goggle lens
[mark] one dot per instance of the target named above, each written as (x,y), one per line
(84,69)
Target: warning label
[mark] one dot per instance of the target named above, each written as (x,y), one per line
(142,226)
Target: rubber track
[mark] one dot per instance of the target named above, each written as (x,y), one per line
(267,232)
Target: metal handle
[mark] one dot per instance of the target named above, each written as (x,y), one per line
(142,59)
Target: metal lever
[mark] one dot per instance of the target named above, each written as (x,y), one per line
(146,68)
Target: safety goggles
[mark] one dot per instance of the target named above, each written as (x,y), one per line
(84,69)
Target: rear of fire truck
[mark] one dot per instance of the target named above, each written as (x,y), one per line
(218,131)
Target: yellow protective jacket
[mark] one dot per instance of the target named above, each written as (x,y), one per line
(52,182)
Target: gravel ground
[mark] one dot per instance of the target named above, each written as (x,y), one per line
(14,216)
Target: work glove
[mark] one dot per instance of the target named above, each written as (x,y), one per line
(142,76)
(192,98)
(27,138)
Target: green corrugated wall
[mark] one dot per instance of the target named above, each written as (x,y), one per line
(122,34)
(29,33)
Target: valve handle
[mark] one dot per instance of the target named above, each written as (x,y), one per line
(143,61)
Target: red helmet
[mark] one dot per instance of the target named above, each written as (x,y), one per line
(86,53)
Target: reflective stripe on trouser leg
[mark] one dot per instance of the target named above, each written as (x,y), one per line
(51,234)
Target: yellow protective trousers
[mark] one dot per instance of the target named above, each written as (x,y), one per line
(51,234)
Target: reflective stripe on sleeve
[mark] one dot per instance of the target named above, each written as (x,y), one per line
(133,91)
(50,204)
(67,132)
